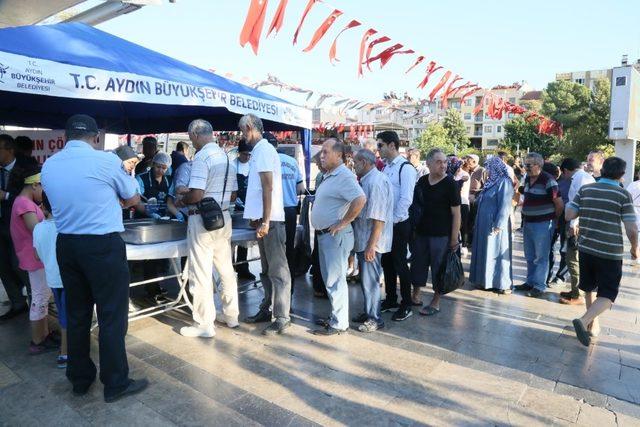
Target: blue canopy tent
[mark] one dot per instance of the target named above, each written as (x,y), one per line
(50,72)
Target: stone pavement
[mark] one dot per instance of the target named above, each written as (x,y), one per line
(484,360)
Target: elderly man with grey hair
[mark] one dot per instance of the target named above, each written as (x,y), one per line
(541,208)
(373,233)
(212,178)
(413,155)
(264,206)
(339,200)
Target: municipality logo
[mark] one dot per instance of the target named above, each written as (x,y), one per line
(3,71)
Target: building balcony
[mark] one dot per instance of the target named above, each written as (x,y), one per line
(477,133)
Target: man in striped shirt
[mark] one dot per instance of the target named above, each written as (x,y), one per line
(540,210)
(602,206)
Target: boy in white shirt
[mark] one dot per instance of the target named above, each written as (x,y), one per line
(44,243)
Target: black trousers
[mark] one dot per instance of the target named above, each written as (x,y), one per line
(562,268)
(94,271)
(290,222)
(394,265)
(13,279)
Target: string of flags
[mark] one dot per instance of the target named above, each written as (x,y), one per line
(450,85)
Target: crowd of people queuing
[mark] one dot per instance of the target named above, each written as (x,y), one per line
(394,216)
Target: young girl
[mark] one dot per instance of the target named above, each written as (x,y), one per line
(25,214)
(44,242)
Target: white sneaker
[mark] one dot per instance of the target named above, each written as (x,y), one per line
(197,332)
(231,322)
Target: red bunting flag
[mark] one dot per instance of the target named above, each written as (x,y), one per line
(363,42)
(441,83)
(332,51)
(253,23)
(379,40)
(304,16)
(322,29)
(480,105)
(447,92)
(386,55)
(418,61)
(278,18)
(352,132)
(468,93)
(341,128)
(431,68)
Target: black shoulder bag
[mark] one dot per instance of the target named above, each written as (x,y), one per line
(210,210)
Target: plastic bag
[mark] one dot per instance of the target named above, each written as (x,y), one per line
(450,275)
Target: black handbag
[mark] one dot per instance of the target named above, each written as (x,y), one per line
(210,211)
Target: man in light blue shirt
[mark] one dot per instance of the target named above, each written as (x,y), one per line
(87,190)
(373,236)
(292,186)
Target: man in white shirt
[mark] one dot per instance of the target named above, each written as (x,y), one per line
(579,178)
(264,206)
(402,176)
(211,177)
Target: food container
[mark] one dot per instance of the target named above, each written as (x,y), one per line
(148,231)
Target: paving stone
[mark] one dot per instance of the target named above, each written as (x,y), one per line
(550,404)
(7,377)
(591,397)
(595,417)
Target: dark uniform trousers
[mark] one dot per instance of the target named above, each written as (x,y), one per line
(290,223)
(94,271)
(394,265)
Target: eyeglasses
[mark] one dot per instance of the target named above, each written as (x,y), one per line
(381,144)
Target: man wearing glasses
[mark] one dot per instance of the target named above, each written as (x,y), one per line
(541,208)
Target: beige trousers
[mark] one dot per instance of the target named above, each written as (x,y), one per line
(209,249)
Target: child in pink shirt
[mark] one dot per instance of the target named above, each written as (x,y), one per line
(25,215)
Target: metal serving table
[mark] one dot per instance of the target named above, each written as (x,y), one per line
(174,251)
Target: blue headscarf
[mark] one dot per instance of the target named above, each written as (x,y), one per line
(497,170)
(453,164)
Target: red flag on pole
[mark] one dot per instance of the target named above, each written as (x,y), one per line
(363,42)
(278,18)
(304,16)
(322,29)
(332,51)
(253,23)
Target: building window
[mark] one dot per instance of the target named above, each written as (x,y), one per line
(512,100)
(499,129)
(456,105)
(467,116)
(469,129)
(488,129)
(580,81)
(492,142)
(468,102)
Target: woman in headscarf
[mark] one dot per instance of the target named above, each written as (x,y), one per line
(491,256)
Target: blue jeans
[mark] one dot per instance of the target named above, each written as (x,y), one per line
(537,244)
(334,253)
(370,274)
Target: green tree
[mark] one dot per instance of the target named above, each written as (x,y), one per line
(434,136)
(591,133)
(456,130)
(566,102)
(523,135)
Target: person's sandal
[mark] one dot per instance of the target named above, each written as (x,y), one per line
(427,310)
(581,333)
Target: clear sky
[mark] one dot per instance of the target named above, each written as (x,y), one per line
(490,42)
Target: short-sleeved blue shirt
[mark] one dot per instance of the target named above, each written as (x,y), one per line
(291,177)
(84,187)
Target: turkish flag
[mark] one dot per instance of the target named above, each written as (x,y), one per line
(278,18)
(253,23)
(304,16)
(322,29)
(332,51)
